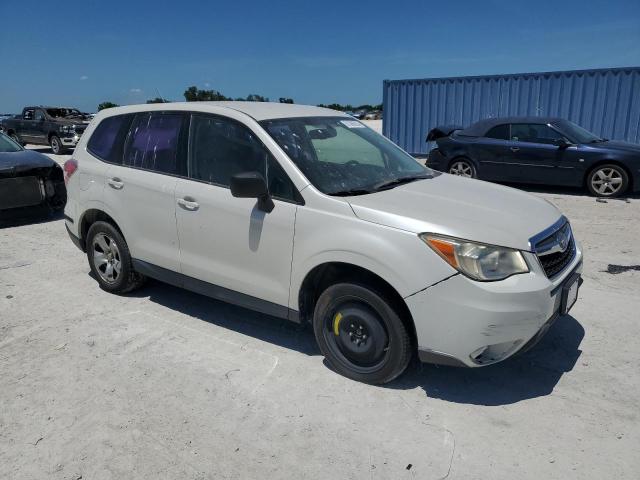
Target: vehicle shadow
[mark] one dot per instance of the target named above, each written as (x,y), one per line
(529,375)
(277,331)
(571,191)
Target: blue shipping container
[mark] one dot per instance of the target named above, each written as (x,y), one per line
(604,101)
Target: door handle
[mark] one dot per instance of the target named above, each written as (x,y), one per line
(115,183)
(188,204)
(515,149)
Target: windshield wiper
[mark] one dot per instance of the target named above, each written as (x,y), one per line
(399,181)
(351,192)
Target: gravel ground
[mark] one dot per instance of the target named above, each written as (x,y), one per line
(164,383)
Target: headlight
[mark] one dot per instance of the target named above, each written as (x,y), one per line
(478,261)
(67,128)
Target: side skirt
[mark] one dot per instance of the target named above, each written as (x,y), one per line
(215,291)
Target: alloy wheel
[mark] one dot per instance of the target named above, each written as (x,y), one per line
(106,258)
(462,169)
(607,181)
(55,145)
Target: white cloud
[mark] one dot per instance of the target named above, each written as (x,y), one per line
(136,90)
(84,77)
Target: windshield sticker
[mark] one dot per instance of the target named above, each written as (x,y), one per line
(352,124)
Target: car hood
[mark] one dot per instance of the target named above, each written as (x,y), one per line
(618,146)
(19,163)
(460,207)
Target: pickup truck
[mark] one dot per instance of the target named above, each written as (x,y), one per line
(58,127)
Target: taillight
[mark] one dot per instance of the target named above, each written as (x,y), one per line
(70,167)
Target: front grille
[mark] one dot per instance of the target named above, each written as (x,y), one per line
(80,129)
(553,257)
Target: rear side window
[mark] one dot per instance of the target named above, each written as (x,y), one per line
(154,143)
(107,139)
(500,132)
(534,133)
(220,148)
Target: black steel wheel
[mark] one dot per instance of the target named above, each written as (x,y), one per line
(360,334)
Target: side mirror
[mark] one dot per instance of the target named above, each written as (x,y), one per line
(252,185)
(561,143)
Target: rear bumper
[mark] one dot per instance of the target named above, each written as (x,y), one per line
(76,241)
(466,323)
(436,160)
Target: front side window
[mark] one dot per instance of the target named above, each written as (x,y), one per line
(534,133)
(220,148)
(499,132)
(39,115)
(107,140)
(577,133)
(341,156)
(154,143)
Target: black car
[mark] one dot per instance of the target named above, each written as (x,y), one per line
(30,182)
(550,151)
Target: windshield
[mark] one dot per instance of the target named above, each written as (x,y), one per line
(577,133)
(341,156)
(8,145)
(63,112)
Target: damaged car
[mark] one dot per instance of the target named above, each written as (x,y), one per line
(30,182)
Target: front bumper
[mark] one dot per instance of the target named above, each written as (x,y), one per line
(70,140)
(467,323)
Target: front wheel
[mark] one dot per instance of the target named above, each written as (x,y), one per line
(462,168)
(608,180)
(360,334)
(56,145)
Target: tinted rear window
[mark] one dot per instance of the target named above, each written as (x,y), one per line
(500,132)
(107,139)
(154,143)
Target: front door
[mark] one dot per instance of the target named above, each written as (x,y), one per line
(230,242)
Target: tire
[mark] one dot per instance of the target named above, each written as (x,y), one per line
(106,247)
(608,180)
(16,139)
(56,145)
(372,344)
(462,168)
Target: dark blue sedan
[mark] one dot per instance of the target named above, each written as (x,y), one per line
(542,150)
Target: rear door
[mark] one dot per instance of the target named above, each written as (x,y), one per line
(38,131)
(140,190)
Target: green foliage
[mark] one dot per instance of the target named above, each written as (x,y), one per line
(194,94)
(254,97)
(351,108)
(158,100)
(104,105)
(286,100)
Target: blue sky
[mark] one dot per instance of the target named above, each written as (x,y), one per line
(82,53)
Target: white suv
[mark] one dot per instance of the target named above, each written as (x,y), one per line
(305,213)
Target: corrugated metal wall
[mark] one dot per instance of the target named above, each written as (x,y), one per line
(606,102)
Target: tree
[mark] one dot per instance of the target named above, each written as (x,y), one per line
(194,94)
(158,100)
(104,105)
(286,100)
(254,97)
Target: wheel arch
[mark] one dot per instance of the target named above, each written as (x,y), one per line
(463,156)
(90,217)
(320,277)
(618,163)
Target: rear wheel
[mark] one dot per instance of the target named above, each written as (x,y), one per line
(360,334)
(16,139)
(463,168)
(110,260)
(607,180)
(56,145)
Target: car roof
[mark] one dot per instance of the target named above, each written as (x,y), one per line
(480,128)
(257,110)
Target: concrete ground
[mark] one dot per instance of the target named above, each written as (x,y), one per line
(164,383)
